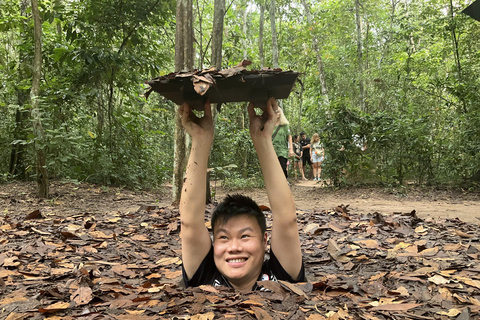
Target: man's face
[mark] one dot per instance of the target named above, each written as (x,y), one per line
(239,250)
(303,137)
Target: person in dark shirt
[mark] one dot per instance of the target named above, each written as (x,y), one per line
(236,258)
(297,156)
(305,143)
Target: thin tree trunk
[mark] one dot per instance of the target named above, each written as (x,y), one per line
(188,35)
(217,44)
(17,162)
(360,55)
(321,71)
(260,35)
(457,55)
(244,31)
(274,34)
(57,4)
(217,37)
(184,59)
(201,55)
(179,51)
(42,175)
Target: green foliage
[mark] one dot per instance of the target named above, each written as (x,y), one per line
(421,123)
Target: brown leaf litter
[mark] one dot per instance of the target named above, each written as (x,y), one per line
(127,266)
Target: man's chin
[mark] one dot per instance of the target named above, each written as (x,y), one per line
(234,275)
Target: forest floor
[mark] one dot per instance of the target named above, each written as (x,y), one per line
(96,252)
(20,198)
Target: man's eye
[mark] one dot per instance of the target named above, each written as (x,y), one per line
(245,236)
(223,238)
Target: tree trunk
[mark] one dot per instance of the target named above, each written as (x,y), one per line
(244,31)
(361,84)
(179,51)
(274,34)
(184,59)
(217,36)
(58,3)
(17,164)
(260,36)
(217,44)
(201,55)
(42,175)
(321,71)
(457,55)
(188,35)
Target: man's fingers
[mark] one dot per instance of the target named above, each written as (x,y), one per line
(270,112)
(184,110)
(251,110)
(180,109)
(208,109)
(274,103)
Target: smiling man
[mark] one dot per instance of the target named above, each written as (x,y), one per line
(236,258)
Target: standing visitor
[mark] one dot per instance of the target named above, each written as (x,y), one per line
(305,143)
(317,154)
(282,141)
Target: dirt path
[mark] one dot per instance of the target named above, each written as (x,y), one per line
(428,203)
(68,198)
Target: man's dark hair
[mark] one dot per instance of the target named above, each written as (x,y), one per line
(295,137)
(302,133)
(237,205)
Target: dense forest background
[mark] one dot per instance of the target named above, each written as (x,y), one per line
(401,75)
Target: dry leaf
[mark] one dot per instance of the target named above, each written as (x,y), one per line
(396,307)
(462,234)
(82,296)
(312,228)
(438,279)
(55,307)
(334,250)
(421,229)
(451,313)
(468,281)
(370,244)
(34,215)
(261,314)
(401,245)
(293,287)
(140,237)
(16,296)
(168,261)
(206,316)
(402,291)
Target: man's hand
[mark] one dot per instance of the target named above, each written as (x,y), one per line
(197,128)
(261,126)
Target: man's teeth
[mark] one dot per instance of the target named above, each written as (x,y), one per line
(237,260)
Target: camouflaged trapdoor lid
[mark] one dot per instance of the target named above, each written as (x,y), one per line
(221,86)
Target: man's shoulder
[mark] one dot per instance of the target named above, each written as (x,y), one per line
(206,274)
(273,270)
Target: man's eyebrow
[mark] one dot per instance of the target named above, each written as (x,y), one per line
(246,229)
(240,231)
(221,230)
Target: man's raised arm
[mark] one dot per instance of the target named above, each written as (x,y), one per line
(196,240)
(285,239)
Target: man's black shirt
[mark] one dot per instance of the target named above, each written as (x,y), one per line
(208,274)
(306,151)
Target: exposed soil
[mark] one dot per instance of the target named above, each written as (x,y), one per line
(20,198)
